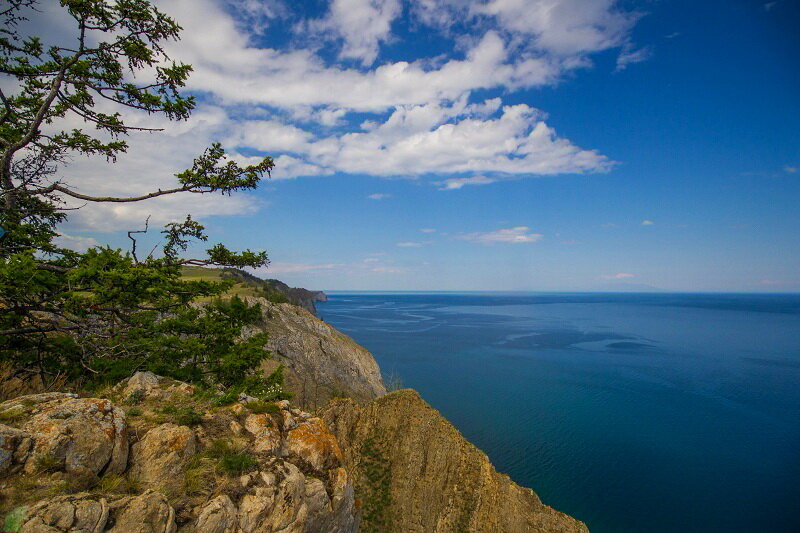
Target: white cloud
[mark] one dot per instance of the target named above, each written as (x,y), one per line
(72,242)
(457,183)
(619,276)
(790,169)
(457,138)
(379,196)
(292,268)
(564,27)
(647,222)
(297,104)
(428,230)
(518,235)
(362,24)
(630,55)
(409,244)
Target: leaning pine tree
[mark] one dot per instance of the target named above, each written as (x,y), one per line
(100,315)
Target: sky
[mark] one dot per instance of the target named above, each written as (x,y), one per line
(525,145)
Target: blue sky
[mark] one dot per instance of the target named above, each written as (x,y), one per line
(488,145)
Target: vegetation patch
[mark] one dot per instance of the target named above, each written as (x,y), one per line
(375,485)
(264,408)
(183,416)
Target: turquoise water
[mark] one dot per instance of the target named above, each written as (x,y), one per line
(631,412)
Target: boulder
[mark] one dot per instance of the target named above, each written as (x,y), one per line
(266,433)
(152,387)
(76,512)
(84,436)
(312,442)
(148,513)
(218,516)
(160,458)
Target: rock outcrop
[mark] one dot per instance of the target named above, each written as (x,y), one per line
(414,472)
(85,437)
(233,470)
(321,362)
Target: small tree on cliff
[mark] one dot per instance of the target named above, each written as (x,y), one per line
(105,313)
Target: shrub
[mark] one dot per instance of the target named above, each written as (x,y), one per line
(235,464)
(136,397)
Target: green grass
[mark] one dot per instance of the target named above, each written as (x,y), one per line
(236,464)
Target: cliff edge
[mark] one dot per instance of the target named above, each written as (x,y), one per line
(321,362)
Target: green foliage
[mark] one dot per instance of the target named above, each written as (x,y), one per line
(230,461)
(236,464)
(273,296)
(269,389)
(133,411)
(98,316)
(13,520)
(136,397)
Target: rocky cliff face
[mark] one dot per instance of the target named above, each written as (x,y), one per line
(414,472)
(321,362)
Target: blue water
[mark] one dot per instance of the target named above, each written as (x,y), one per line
(651,413)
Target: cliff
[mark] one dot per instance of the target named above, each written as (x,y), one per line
(414,472)
(153,454)
(321,363)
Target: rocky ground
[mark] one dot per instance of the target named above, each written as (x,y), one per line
(153,456)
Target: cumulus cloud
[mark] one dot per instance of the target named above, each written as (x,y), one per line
(317,114)
(518,235)
(790,169)
(379,196)
(409,244)
(428,230)
(647,222)
(362,25)
(457,138)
